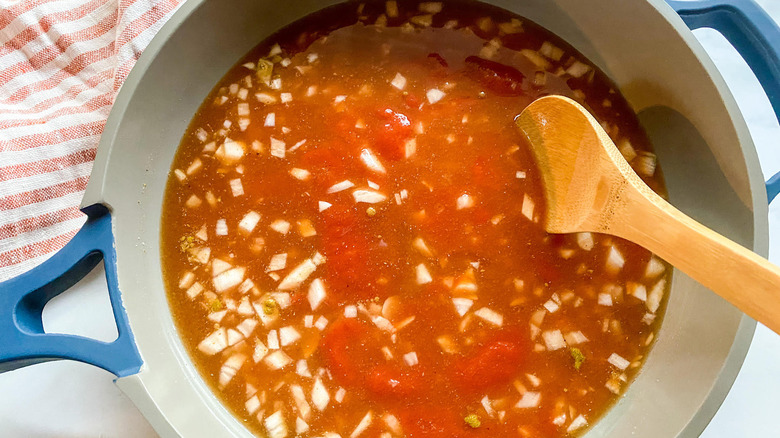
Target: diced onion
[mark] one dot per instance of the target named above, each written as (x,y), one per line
(615,260)
(273,340)
(193,202)
(655,295)
(530,399)
(247,326)
(288,335)
(434,95)
(321,323)
(340,394)
(230,368)
(577,423)
(322,205)
(230,152)
(278,148)
(654,268)
(229,279)
(422,247)
(645,164)
(551,306)
(464,201)
(430,7)
(578,69)
(319,395)
(298,275)
(277,360)
(637,290)
(338,187)
(490,316)
(234,337)
(302,368)
(277,263)
(528,207)
(383,324)
(301,426)
(275,425)
(221,228)
(186,280)
(575,338)
(252,405)
(410,147)
(462,305)
(411,359)
(363,425)
(368,196)
(423,276)
(260,351)
(316,293)
(399,81)
(300,174)
(215,342)
(219,266)
(585,241)
(618,361)
(371,161)
(485,402)
(553,340)
(605,299)
(392,423)
(299,397)
(280,226)
(350,312)
(249,222)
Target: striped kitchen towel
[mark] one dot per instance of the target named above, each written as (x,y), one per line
(61,64)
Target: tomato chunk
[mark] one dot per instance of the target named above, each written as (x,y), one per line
(391,131)
(496,77)
(493,363)
(389,381)
(345,349)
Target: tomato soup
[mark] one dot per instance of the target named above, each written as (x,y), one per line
(352,243)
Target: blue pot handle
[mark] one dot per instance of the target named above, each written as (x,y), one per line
(22,339)
(755,36)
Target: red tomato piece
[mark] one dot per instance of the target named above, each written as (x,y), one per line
(345,349)
(493,363)
(351,253)
(496,77)
(392,131)
(391,382)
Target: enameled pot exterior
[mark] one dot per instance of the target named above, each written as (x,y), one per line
(706,153)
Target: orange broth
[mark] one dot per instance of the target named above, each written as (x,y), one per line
(352,243)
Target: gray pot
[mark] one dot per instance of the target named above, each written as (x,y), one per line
(709,162)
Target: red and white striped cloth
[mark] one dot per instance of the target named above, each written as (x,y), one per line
(61,64)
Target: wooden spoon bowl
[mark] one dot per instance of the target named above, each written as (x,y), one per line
(589,186)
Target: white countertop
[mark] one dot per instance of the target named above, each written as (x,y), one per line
(69,399)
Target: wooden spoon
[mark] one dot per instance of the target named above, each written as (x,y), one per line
(589,186)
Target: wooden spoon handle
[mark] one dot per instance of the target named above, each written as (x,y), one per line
(742,277)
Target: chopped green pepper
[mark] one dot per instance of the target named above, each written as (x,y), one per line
(215,305)
(578,357)
(473,421)
(186,242)
(265,70)
(269,306)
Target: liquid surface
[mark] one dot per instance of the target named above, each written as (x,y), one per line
(352,244)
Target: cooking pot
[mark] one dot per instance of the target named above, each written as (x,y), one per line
(709,162)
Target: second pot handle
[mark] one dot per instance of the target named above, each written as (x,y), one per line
(755,36)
